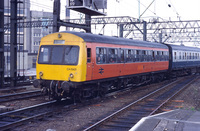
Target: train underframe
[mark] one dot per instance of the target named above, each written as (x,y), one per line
(98,88)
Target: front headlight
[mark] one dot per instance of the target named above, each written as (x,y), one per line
(71,75)
(41,74)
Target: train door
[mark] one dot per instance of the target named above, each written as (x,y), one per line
(100,63)
(122,67)
(89,62)
(153,60)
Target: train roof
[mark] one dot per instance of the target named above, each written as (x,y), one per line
(88,37)
(183,48)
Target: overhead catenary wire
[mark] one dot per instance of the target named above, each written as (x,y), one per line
(171,5)
(153,12)
(47,7)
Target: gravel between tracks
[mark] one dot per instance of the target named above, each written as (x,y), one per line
(76,119)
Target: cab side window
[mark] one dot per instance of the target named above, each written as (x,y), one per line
(88,55)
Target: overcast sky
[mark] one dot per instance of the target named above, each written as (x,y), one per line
(166,9)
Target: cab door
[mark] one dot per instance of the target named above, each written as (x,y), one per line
(90,65)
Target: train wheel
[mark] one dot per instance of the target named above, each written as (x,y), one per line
(81,96)
(103,91)
(51,92)
(82,99)
(44,91)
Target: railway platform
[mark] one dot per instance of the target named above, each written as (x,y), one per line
(177,120)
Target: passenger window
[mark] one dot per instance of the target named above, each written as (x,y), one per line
(175,55)
(144,55)
(180,55)
(137,58)
(154,55)
(183,56)
(129,54)
(122,55)
(101,55)
(133,55)
(162,56)
(112,55)
(88,55)
(158,55)
(149,55)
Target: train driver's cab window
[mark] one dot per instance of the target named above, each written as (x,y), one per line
(67,55)
(88,55)
(71,55)
(112,55)
(100,55)
(57,55)
(44,54)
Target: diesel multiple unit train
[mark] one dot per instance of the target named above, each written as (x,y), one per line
(83,65)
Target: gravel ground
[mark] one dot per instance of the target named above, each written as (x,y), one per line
(77,119)
(13,105)
(189,99)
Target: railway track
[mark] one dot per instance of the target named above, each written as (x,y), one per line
(128,116)
(18,117)
(12,119)
(19,96)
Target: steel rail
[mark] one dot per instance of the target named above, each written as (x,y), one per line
(22,115)
(97,124)
(172,96)
(19,96)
